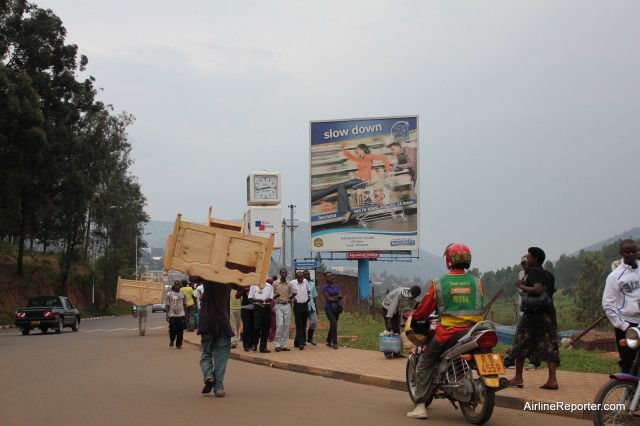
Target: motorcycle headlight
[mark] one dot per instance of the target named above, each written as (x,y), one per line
(632,336)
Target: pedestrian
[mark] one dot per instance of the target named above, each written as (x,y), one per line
(395,302)
(313,303)
(198,291)
(621,298)
(142,319)
(283,293)
(188,292)
(459,299)
(537,335)
(215,333)
(300,309)
(272,329)
(175,307)
(236,318)
(332,308)
(246,313)
(535,363)
(261,296)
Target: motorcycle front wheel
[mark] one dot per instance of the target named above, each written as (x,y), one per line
(614,392)
(479,410)
(412,363)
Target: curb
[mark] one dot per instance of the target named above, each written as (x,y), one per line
(3,327)
(503,401)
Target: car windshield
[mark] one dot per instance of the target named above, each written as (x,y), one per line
(43,302)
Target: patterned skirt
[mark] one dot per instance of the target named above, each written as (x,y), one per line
(537,337)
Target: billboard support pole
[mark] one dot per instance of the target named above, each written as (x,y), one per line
(363,278)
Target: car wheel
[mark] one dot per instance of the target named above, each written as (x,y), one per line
(60,325)
(25,331)
(44,330)
(76,324)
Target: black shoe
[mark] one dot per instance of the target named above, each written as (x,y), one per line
(301,347)
(265,351)
(277,349)
(178,347)
(285,349)
(254,348)
(312,343)
(171,344)
(246,349)
(208,385)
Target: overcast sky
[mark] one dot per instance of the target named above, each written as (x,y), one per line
(529,110)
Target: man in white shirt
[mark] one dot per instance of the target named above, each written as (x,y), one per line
(300,309)
(621,298)
(261,297)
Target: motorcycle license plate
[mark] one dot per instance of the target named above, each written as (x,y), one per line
(35,322)
(489,364)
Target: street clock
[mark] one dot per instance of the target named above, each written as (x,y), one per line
(263,189)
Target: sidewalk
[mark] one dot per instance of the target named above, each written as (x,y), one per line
(371,368)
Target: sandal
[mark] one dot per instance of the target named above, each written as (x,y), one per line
(515,385)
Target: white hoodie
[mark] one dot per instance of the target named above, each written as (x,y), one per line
(621,296)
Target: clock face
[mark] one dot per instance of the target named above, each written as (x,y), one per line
(265,187)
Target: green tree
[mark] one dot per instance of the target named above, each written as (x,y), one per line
(589,287)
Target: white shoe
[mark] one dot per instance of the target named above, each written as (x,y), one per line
(420,412)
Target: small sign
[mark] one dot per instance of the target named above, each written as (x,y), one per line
(310,264)
(363,255)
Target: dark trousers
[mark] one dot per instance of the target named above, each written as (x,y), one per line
(341,189)
(261,325)
(176,329)
(332,337)
(395,320)
(627,355)
(247,328)
(425,369)
(300,313)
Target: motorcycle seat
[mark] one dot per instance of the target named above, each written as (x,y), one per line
(458,336)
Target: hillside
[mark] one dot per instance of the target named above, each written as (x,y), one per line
(633,233)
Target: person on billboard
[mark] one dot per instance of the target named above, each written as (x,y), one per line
(406,159)
(364,175)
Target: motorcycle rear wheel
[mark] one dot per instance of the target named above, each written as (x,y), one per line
(481,412)
(614,392)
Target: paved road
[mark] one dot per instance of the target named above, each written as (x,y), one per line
(106,374)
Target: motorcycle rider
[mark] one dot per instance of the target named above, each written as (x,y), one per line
(459,299)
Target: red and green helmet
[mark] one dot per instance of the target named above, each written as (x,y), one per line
(457,253)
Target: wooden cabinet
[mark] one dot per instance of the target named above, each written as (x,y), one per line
(218,254)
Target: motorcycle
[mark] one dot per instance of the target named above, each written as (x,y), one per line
(468,371)
(617,401)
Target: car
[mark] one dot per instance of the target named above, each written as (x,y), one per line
(47,312)
(158,307)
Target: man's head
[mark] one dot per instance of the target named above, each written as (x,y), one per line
(629,252)
(283,273)
(306,274)
(457,256)
(535,256)
(176,286)
(299,276)
(415,291)
(395,147)
(184,283)
(523,262)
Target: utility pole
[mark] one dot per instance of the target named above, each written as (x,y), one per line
(284,243)
(292,226)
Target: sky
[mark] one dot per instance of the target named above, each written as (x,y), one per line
(528,111)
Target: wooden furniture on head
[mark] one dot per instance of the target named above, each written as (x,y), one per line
(225,224)
(218,254)
(140,292)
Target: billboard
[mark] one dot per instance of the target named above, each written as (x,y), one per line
(364,175)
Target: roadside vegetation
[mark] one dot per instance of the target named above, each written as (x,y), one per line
(361,332)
